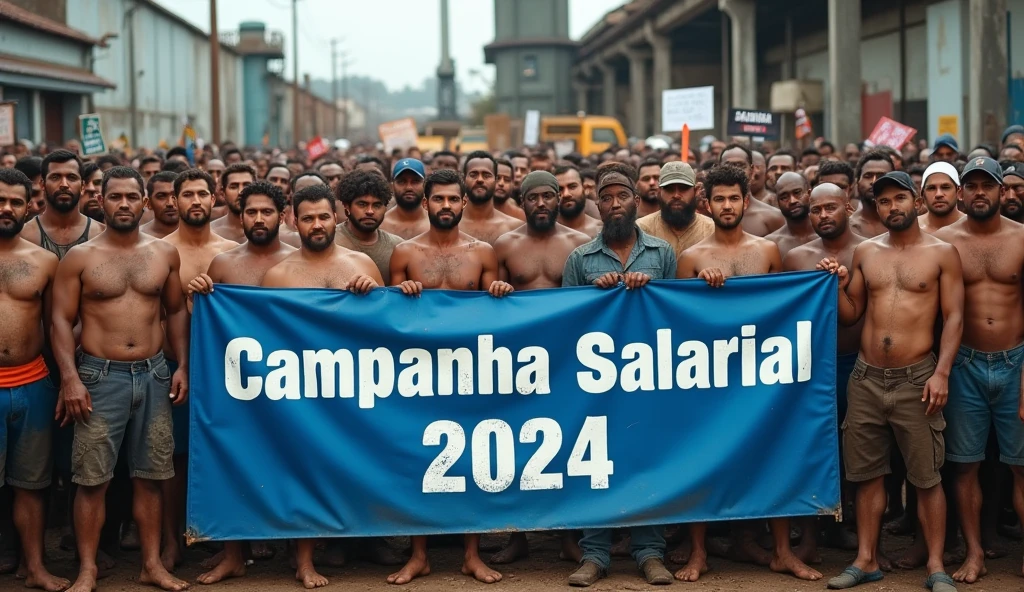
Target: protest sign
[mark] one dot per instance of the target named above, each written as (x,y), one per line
(747,122)
(400,133)
(694,107)
(531,128)
(317,147)
(891,133)
(91,135)
(8,133)
(320,413)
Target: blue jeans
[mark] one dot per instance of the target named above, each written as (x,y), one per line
(26,440)
(646,542)
(984,390)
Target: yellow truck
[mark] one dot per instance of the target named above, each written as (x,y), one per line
(590,134)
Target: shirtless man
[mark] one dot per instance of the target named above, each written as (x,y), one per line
(758,218)
(1013,198)
(986,377)
(647,186)
(733,252)
(866,221)
(215,168)
(61,226)
(793,194)
(444,258)
(319,263)
(503,201)
(940,186)
(262,205)
(782,161)
(899,284)
(759,180)
(160,195)
(197,245)
(572,202)
(408,218)
(118,386)
(27,393)
(830,211)
(840,174)
(234,179)
(482,221)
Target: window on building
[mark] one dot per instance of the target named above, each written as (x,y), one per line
(530,67)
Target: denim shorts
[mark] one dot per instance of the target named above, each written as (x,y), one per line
(131,405)
(26,434)
(984,390)
(180,417)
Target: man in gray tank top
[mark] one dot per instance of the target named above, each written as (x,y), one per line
(61,226)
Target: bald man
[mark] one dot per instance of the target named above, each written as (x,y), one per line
(793,194)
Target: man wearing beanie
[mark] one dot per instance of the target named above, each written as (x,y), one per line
(677,223)
(621,253)
(1013,198)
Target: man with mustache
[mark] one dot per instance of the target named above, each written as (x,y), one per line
(160,194)
(759,180)
(793,194)
(759,219)
(233,180)
(92,180)
(871,166)
(197,245)
(482,220)
(573,203)
(31,166)
(503,201)
(27,393)
(262,206)
(116,387)
(445,258)
(1012,205)
(364,197)
(986,379)
(781,161)
(899,284)
(647,186)
(940,187)
(733,252)
(677,223)
(61,226)
(408,218)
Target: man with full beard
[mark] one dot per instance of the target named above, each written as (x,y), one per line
(27,393)
(233,180)
(408,218)
(197,245)
(160,195)
(92,181)
(793,195)
(677,223)
(620,249)
(482,221)
(572,203)
(733,252)
(759,219)
(870,168)
(940,189)
(1012,204)
(364,197)
(61,226)
(503,201)
(262,206)
(647,187)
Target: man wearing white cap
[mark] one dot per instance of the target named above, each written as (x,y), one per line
(940,188)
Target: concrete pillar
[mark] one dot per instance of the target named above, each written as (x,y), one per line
(662,69)
(582,89)
(607,89)
(987,83)
(743,17)
(637,93)
(844,73)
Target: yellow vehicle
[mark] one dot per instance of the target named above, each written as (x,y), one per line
(590,134)
(472,138)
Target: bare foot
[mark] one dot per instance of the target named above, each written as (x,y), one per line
(226,569)
(749,551)
(170,557)
(156,575)
(417,567)
(212,561)
(971,570)
(570,548)
(807,553)
(309,578)
(517,548)
(262,550)
(43,580)
(478,569)
(694,569)
(791,564)
(86,581)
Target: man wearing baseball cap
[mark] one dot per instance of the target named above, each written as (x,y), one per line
(1013,197)
(940,188)
(408,218)
(1013,135)
(898,387)
(614,256)
(945,148)
(677,223)
(985,381)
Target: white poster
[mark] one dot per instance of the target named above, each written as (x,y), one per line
(531,128)
(691,106)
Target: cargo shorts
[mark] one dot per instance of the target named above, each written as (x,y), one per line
(131,405)
(885,406)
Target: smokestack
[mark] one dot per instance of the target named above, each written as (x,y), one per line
(446,67)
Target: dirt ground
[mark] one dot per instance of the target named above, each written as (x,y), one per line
(541,571)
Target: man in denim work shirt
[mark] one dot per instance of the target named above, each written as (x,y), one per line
(622,252)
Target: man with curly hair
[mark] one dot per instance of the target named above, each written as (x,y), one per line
(364,197)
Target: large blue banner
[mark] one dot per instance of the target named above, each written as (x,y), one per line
(320,413)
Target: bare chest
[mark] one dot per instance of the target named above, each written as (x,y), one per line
(446,270)
(484,230)
(21,280)
(538,262)
(735,262)
(116,276)
(908,274)
(991,260)
(194,262)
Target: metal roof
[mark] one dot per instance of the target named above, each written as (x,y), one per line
(11,12)
(63,74)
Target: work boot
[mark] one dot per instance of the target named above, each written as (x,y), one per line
(588,574)
(655,572)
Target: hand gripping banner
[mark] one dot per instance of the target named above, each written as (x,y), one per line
(320,413)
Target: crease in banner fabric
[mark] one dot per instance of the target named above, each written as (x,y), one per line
(320,413)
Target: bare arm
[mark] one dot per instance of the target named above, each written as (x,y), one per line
(774,258)
(853,297)
(273,278)
(51,274)
(398,265)
(501,250)
(489,266)
(75,403)
(951,299)
(686,268)
(177,315)
(791,262)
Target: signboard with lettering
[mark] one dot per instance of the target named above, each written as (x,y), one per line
(747,122)
(400,133)
(891,133)
(7,125)
(694,107)
(531,129)
(90,133)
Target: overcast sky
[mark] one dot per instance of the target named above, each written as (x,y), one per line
(379,35)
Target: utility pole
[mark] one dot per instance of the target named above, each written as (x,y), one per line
(214,74)
(133,74)
(295,72)
(345,63)
(334,86)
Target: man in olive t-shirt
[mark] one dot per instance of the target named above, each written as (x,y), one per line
(365,198)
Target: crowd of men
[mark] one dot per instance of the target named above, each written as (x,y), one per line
(101,261)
